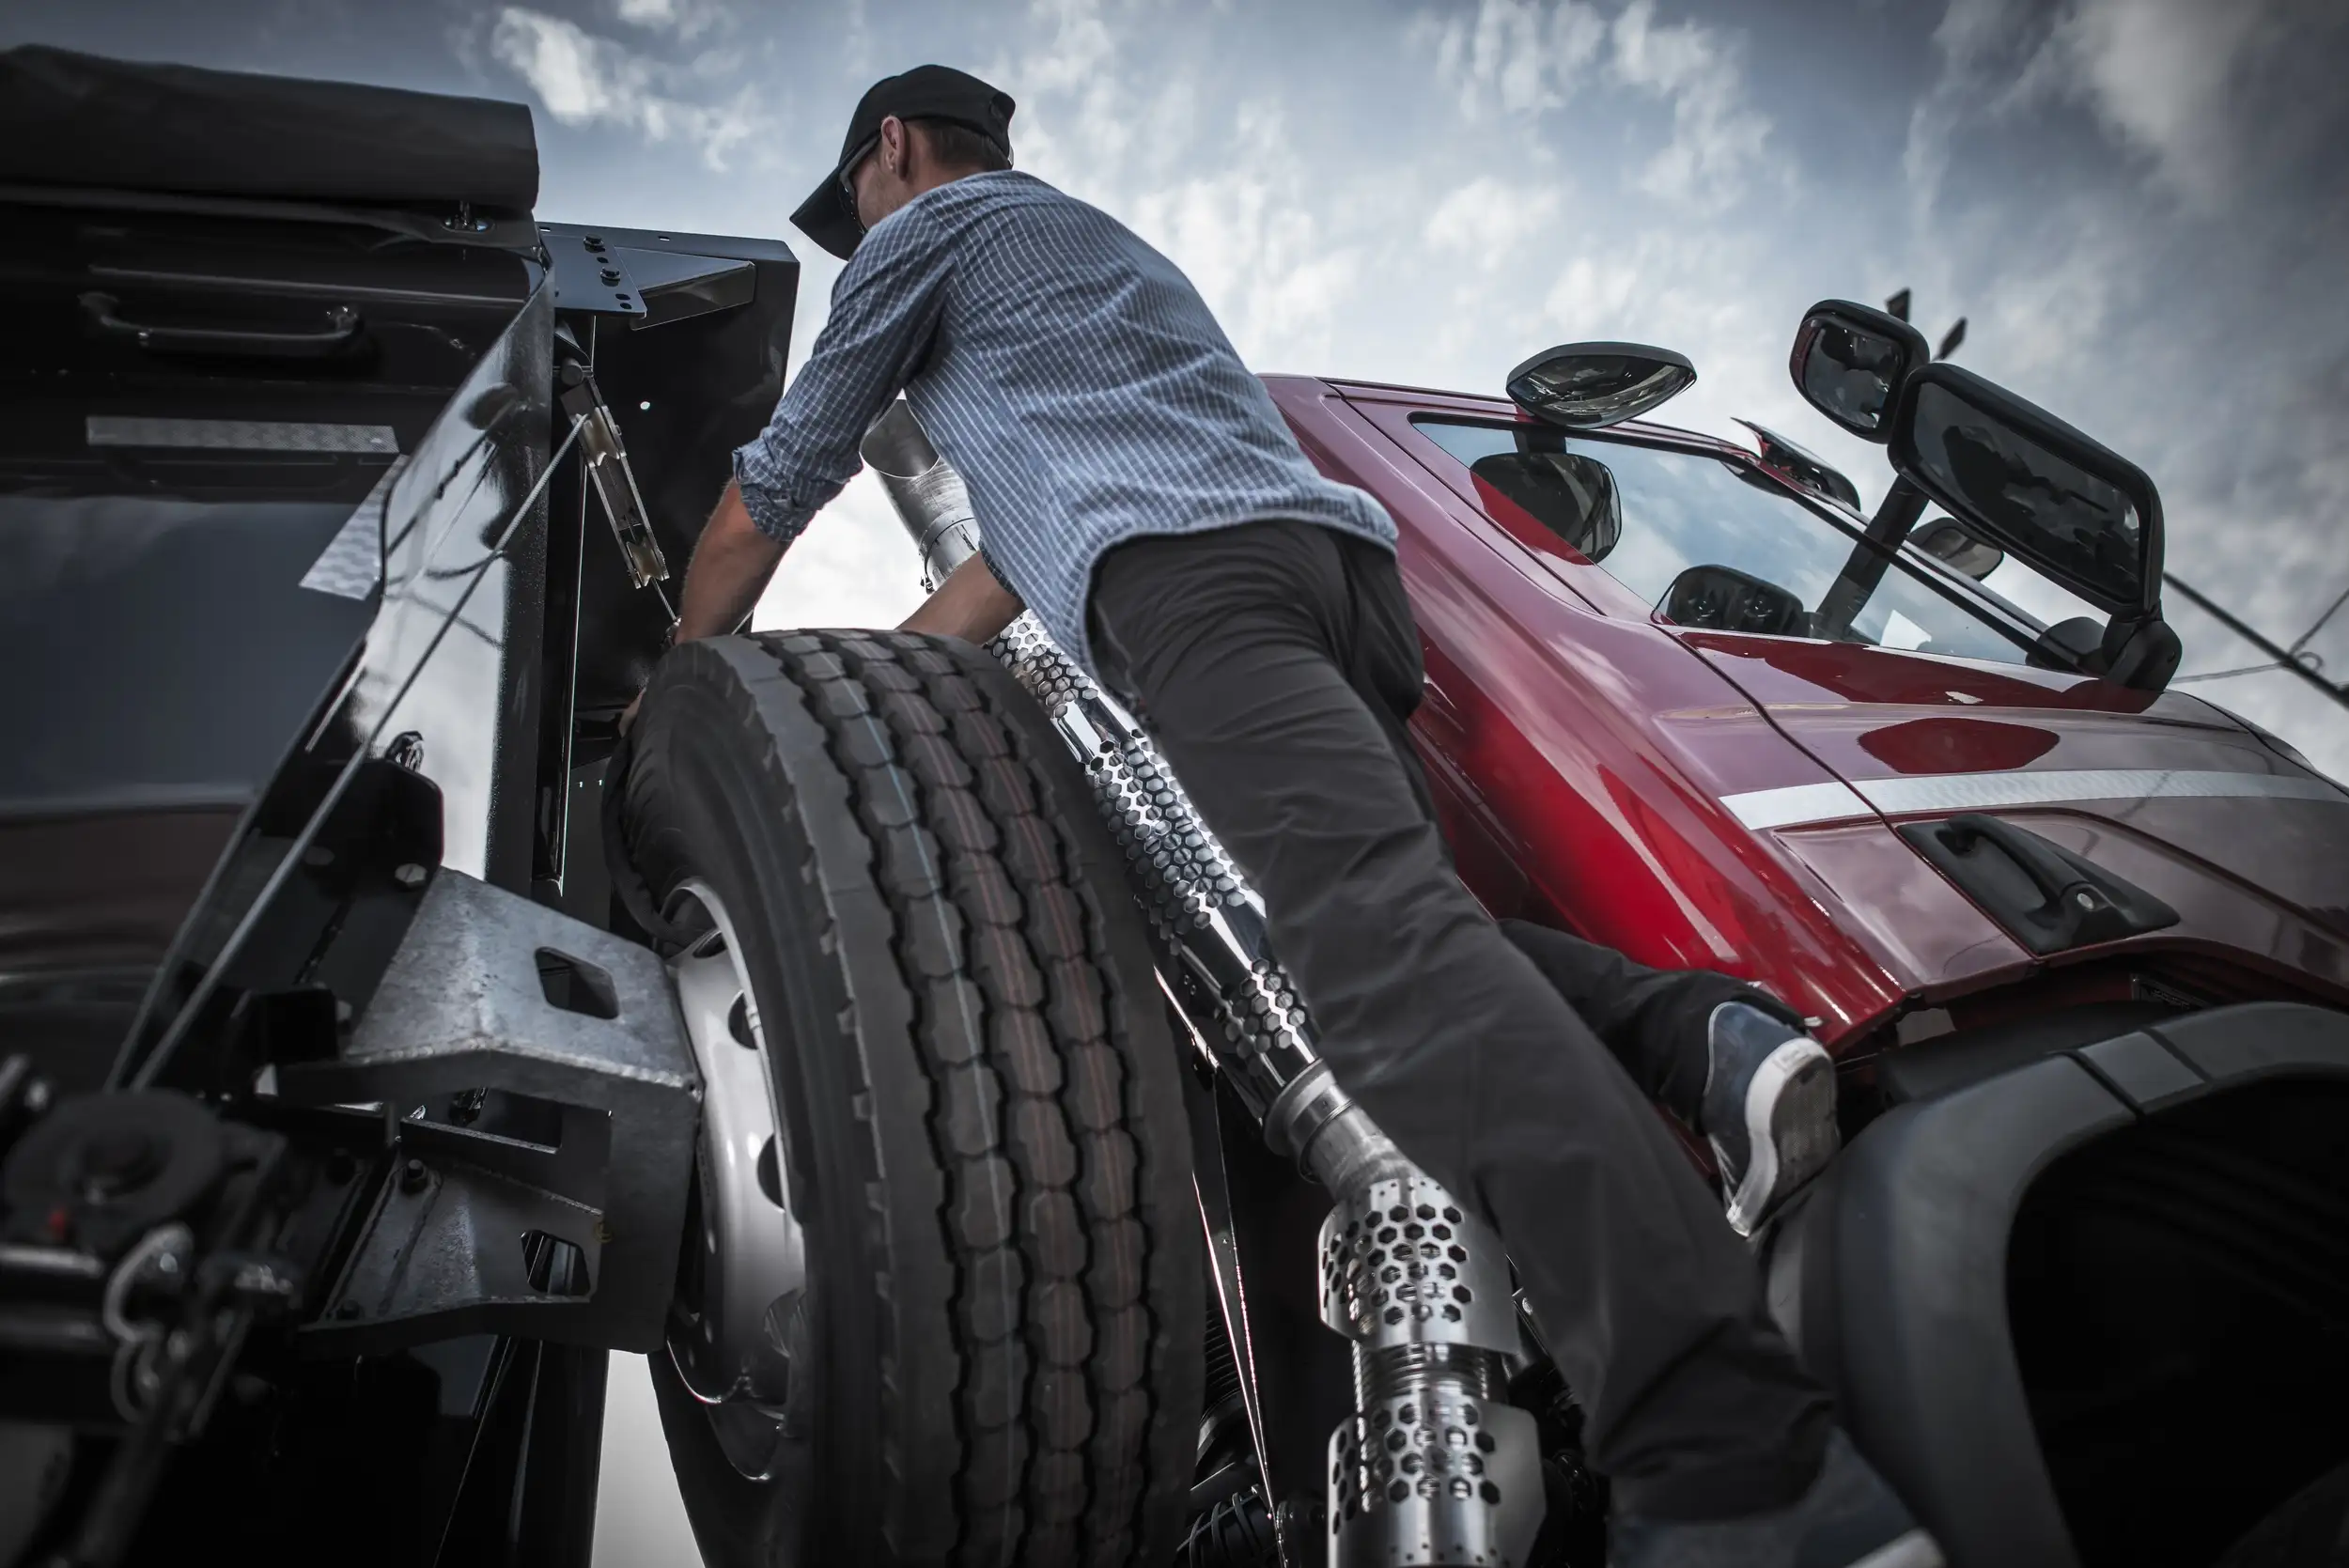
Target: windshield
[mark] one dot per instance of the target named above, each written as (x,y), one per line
(1712,543)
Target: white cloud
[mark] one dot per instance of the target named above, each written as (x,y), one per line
(1970,42)
(586,79)
(2159,73)
(2184,82)
(1251,239)
(1223,184)
(1521,58)
(1512,55)
(686,18)
(1716,138)
(1488,220)
(1081,47)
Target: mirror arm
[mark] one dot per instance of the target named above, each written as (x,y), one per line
(1903,507)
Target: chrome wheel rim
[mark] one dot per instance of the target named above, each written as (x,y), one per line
(739,1328)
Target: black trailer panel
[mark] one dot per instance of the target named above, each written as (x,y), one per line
(294,643)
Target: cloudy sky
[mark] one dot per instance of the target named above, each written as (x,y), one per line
(2136,202)
(2140,205)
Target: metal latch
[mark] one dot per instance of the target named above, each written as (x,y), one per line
(614,480)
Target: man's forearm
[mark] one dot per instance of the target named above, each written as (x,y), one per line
(730,569)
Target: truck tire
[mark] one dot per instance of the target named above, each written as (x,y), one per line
(981,1127)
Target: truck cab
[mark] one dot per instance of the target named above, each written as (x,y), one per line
(2077,942)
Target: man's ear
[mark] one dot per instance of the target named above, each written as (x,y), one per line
(896,147)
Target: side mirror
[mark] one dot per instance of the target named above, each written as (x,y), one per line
(1810,472)
(1572,495)
(1722,598)
(2016,476)
(1957,549)
(1587,386)
(1850,361)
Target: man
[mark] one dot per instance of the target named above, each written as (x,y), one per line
(1138,489)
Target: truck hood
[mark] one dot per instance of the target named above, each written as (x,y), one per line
(2162,789)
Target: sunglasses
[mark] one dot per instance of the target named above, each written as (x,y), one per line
(847,179)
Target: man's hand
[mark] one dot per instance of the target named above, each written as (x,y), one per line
(732,564)
(971,604)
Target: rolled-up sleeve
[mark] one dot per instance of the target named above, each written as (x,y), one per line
(885,311)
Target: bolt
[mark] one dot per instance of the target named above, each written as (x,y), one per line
(2085,899)
(610,275)
(317,855)
(410,875)
(413,1176)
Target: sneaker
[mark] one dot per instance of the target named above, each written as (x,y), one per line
(1849,1519)
(1768,1110)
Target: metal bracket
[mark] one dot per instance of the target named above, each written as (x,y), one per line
(589,274)
(567,1233)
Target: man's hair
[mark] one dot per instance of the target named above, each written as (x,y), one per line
(959,147)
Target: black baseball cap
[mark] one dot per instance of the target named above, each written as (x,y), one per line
(925,92)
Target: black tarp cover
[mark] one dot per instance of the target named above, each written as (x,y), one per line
(82,120)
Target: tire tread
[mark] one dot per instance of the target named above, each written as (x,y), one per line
(1064,1277)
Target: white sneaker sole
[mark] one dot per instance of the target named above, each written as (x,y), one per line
(1790,1130)
(1914,1550)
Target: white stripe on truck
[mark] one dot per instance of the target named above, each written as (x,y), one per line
(1800,805)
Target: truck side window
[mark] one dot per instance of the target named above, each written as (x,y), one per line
(1650,515)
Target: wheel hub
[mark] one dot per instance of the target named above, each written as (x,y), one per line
(740,1310)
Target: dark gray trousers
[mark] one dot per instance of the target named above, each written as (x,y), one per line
(1275,664)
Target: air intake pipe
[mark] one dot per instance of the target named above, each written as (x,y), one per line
(1434,1466)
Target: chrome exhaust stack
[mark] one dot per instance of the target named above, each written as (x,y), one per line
(1435,1466)
(927,494)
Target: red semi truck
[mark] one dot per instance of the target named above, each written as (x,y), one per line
(1884,822)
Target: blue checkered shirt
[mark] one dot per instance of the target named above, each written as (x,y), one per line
(1070,373)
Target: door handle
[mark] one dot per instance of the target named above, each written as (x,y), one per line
(2077,903)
